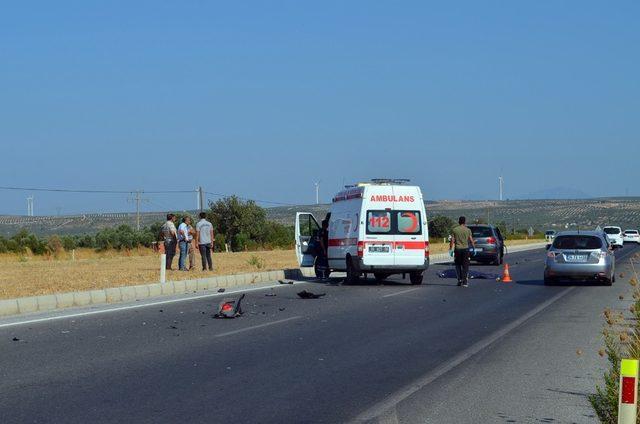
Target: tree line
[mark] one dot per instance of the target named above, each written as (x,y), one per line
(239,225)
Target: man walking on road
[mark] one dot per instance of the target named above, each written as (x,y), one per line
(183,243)
(461,238)
(204,238)
(170,236)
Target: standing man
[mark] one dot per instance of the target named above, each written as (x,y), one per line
(183,243)
(461,238)
(204,238)
(170,236)
(192,249)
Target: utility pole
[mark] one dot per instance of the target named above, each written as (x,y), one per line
(200,199)
(501,184)
(137,198)
(317,183)
(30,206)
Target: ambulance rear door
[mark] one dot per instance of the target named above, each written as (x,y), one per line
(377,245)
(410,227)
(307,231)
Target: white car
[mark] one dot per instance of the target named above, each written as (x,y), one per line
(614,235)
(631,236)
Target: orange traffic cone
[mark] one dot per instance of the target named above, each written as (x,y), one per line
(506,277)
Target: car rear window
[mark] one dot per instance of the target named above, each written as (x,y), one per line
(577,242)
(481,231)
(631,232)
(550,233)
(612,230)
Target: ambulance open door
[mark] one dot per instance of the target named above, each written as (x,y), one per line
(306,233)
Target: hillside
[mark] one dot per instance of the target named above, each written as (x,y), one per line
(539,214)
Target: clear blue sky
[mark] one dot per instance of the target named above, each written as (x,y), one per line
(263,98)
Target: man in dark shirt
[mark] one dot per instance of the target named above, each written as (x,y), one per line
(461,238)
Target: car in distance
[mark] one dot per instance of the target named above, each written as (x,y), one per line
(580,255)
(631,236)
(614,234)
(549,235)
(489,244)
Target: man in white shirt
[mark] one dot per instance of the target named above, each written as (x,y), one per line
(204,238)
(183,243)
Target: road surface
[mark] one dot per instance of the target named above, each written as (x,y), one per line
(436,353)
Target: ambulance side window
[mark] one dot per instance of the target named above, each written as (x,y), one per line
(378,222)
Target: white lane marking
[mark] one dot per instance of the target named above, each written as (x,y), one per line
(266,324)
(144,305)
(400,292)
(387,407)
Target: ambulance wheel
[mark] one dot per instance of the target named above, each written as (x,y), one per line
(352,274)
(380,276)
(416,278)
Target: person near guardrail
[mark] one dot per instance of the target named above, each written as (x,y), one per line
(461,239)
(170,236)
(204,239)
(183,243)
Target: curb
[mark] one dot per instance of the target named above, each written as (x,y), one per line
(50,302)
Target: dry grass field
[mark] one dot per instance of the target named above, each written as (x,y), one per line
(35,275)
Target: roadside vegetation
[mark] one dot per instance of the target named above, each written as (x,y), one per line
(621,337)
(238,225)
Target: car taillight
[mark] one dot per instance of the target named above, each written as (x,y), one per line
(599,254)
(426,249)
(552,255)
(491,240)
(360,249)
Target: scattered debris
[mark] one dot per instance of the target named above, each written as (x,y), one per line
(161,310)
(281,309)
(15,339)
(579,352)
(285,281)
(221,290)
(601,352)
(621,297)
(173,327)
(67,331)
(230,308)
(270,294)
(474,275)
(308,295)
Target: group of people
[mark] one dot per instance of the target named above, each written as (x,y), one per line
(187,239)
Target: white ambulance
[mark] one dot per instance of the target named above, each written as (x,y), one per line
(379,227)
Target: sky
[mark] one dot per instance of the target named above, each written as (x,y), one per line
(263,98)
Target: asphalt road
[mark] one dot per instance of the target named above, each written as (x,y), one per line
(438,353)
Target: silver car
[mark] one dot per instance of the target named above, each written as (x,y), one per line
(580,255)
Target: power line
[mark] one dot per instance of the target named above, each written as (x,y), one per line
(66,190)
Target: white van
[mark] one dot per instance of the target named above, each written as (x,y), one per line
(378,227)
